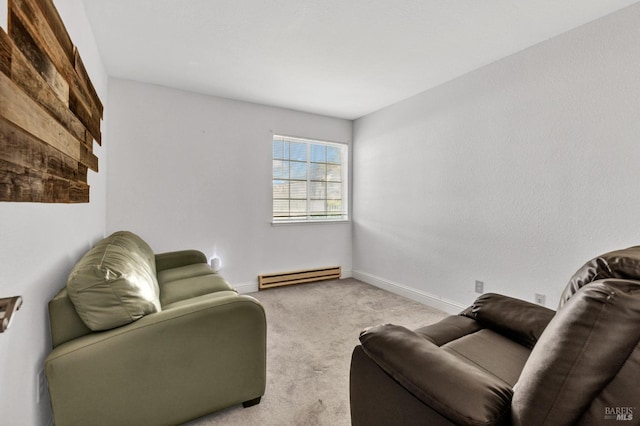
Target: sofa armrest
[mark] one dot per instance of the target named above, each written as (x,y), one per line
(518,319)
(175,259)
(166,368)
(457,390)
(64,322)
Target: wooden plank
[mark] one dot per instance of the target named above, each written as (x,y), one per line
(21,148)
(57,26)
(45,23)
(30,15)
(34,20)
(18,184)
(30,116)
(25,75)
(6,49)
(78,192)
(80,109)
(88,158)
(88,139)
(86,81)
(21,184)
(56,190)
(82,173)
(23,40)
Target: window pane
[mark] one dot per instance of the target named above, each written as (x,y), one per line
(334,172)
(334,191)
(298,207)
(280,208)
(298,151)
(298,170)
(280,149)
(299,190)
(318,171)
(318,190)
(318,153)
(334,155)
(280,169)
(280,189)
(318,208)
(334,206)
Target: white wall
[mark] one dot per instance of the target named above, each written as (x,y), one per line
(194,171)
(39,243)
(3,14)
(515,174)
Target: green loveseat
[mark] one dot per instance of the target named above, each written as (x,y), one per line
(146,339)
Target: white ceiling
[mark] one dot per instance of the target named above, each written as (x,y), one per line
(342,58)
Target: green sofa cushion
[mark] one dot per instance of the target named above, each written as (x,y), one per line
(194,286)
(182,272)
(115,282)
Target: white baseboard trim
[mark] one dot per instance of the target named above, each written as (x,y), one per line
(432,300)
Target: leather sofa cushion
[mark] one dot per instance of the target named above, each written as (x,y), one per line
(582,349)
(480,349)
(176,259)
(115,282)
(517,319)
(193,286)
(624,264)
(467,339)
(182,272)
(437,377)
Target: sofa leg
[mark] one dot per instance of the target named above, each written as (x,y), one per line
(252,402)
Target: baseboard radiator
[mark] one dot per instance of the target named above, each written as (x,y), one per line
(298,277)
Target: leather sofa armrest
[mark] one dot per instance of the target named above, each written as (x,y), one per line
(517,319)
(457,390)
(175,259)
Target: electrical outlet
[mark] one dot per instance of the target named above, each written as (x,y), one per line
(41,384)
(540,299)
(479,287)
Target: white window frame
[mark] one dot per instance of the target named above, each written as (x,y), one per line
(341,215)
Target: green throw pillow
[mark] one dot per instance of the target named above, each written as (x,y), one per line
(115,282)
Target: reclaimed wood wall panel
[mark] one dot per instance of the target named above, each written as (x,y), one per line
(32,170)
(30,15)
(22,72)
(55,23)
(50,112)
(40,61)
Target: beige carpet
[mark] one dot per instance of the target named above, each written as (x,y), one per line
(311,331)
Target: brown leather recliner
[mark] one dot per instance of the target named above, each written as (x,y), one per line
(504,361)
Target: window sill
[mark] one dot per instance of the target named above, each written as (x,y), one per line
(310,222)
